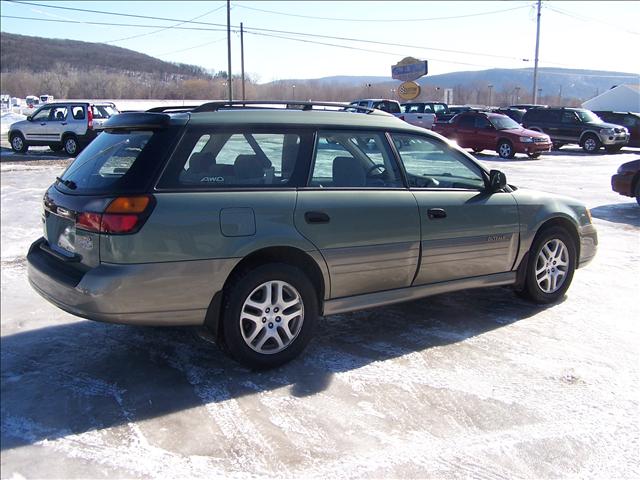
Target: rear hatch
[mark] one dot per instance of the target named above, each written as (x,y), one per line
(101,112)
(104,192)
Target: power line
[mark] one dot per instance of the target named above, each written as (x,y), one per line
(329,37)
(190,48)
(303,40)
(583,18)
(110,24)
(386,20)
(165,28)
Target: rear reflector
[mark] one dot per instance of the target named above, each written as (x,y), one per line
(122,215)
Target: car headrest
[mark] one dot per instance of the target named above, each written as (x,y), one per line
(249,166)
(347,172)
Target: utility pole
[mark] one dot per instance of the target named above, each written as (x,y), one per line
(535,65)
(242,58)
(490,89)
(560,96)
(517,95)
(229,50)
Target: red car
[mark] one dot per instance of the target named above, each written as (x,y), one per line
(627,180)
(493,131)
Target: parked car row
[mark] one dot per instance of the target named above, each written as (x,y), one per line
(481,128)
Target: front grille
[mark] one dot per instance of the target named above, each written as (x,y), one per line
(539,140)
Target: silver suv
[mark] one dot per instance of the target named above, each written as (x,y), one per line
(70,126)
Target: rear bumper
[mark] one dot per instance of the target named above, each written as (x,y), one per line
(158,294)
(588,244)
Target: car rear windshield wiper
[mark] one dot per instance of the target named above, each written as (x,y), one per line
(67,183)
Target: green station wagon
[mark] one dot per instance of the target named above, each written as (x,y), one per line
(252,220)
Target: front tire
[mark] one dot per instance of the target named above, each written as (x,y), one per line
(71,145)
(269,315)
(18,144)
(550,268)
(591,143)
(505,149)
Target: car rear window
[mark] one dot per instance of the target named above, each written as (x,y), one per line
(237,158)
(103,111)
(116,161)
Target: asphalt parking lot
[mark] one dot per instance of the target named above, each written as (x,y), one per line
(477,384)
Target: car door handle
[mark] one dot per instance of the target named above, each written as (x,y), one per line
(316,217)
(434,213)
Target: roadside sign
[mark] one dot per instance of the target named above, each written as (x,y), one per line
(409,69)
(408,90)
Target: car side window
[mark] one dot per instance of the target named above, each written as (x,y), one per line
(466,121)
(431,163)
(58,114)
(439,108)
(482,122)
(345,159)
(210,159)
(77,111)
(42,115)
(569,117)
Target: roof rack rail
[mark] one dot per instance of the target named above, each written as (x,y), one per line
(271,104)
(172,109)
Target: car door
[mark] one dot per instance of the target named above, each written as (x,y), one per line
(466,231)
(36,129)
(570,126)
(485,135)
(358,214)
(56,124)
(465,130)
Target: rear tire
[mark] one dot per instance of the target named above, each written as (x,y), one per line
(505,149)
(591,143)
(550,268)
(71,145)
(18,144)
(269,315)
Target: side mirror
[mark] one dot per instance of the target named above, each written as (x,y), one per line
(29,118)
(497,180)
(489,127)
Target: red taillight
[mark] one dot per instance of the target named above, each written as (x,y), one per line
(122,215)
(90,116)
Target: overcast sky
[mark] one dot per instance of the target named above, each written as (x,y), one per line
(601,35)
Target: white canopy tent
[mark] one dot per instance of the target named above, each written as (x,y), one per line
(622,98)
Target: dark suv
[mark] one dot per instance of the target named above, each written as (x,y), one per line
(576,125)
(630,120)
(252,222)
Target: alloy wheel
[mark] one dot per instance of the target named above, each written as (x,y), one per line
(552,265)
(271,317)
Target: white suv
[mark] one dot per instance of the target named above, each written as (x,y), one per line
(62,125)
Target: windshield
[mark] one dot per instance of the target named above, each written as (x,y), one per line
(504,123)
(588,116)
